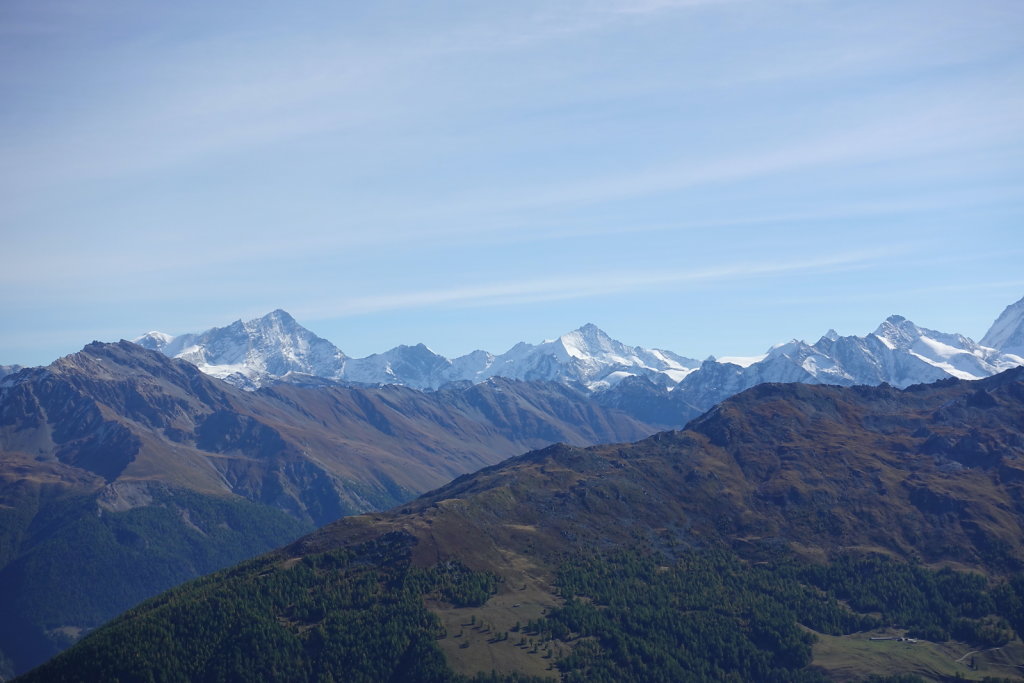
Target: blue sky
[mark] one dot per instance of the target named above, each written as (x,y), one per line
(707,176)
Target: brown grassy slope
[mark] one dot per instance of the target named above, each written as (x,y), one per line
(934,472)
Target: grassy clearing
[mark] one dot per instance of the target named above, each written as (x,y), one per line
(475,641)
(850,658)
(475,635)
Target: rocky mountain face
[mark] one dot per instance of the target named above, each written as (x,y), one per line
(829,481)
(276,348)
(161,453)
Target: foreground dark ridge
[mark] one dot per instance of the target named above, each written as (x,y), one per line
(781,473)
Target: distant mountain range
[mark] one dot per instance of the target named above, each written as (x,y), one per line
(758,544)
(275,348)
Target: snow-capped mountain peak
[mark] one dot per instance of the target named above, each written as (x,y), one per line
(1007,332)
(155,341)
(248,353)
(587,356)
(415,366)
(589,340)
(897,332)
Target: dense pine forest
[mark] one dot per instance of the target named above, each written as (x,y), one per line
(358,614)
(711,616)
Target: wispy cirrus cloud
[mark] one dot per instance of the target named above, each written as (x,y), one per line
(589,284)
(434,156)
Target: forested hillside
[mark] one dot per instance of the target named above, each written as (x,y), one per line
(785,526)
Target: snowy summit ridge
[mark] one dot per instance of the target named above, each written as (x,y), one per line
(898,352)
(586,356)
(276,347)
